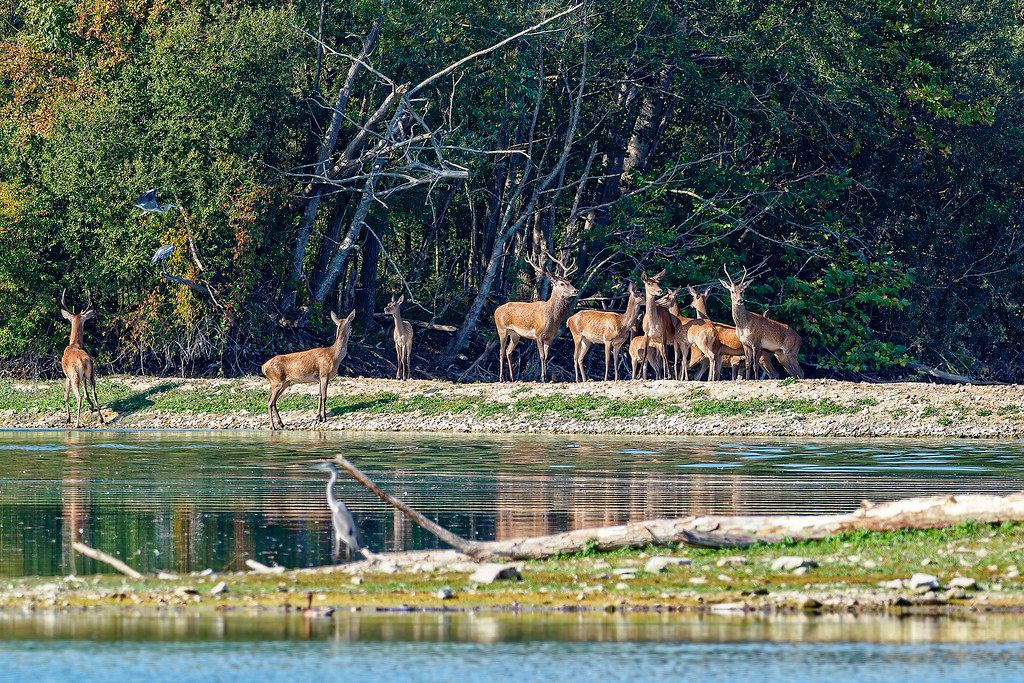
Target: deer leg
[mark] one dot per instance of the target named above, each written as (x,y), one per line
(584,350)
(543,359)
(607,359)
(78,397)
(645,356)
(275,415)
(323,400)
(510,346)
(501,357)
(92,380)
(67,397)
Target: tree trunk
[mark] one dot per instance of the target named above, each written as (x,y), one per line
(367,296)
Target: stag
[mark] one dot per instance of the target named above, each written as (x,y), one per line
(658,326)
(537,320)
(79,368)
(307,367)
(729,343)
(602,327)
(402,335)
(758,333)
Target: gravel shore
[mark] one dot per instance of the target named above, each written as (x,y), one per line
(821,408)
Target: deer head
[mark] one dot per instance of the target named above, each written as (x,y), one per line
(670,298)
(65,311)
(560,284)
(652,283)
(735,288)
(344,328)
(395,305)
(699,300)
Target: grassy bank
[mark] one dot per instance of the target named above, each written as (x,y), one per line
(852,572)
(810,407)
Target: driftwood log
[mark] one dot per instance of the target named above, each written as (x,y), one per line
(101,556)
(722,531)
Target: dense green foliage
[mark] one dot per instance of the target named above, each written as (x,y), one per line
(865,154)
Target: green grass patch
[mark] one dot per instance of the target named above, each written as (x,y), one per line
(703,406)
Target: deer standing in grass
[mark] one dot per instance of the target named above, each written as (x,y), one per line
(602,327)
(78,366)
(537,320)
(729,343)
(758,333)
(691,334)
(307,367)
(402,335)
(658,326)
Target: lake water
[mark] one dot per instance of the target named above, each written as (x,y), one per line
(502,647)
(187,501)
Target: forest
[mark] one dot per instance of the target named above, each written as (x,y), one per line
(328,155)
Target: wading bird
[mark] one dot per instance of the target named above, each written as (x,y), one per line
(342,522)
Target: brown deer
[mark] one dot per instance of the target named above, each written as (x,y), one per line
(638,356)
(306,367)
(602,327)
(729,343)
(758,333)
(79,368)
(537,320)
(690,334)
(658,325)
(403,338)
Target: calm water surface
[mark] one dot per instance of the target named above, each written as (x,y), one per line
(501,647)
(193,500)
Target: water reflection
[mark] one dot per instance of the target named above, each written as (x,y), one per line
(190,500)
(496,627)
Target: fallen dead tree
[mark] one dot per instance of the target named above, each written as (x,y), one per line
(720,531)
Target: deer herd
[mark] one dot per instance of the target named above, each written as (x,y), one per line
(696,344)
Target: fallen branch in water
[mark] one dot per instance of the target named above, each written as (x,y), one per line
(723,531)
(101,556)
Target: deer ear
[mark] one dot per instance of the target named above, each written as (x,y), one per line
(89,315)
(724,284)
(400,300)
(335,318)
(351,316)
(658,276)
(707,292)
(692,291)
(65,314)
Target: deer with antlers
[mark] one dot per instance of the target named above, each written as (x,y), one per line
(658,326)
(758,333)
(78,366)
(537,320)
(307,367)
(602,327)
(690,333)
(729,343)
(402,335)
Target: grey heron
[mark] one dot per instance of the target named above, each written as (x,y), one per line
(148,202)
(162,254)
(342,522)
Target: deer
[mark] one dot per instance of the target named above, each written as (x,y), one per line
(658,326)
(602,327)
(537,320)
(729,343)
(307,367)
(638,357)
(403,338)
(691,334)
(758,333)
(78,366)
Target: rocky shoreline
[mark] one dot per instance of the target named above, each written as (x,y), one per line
(807,408)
